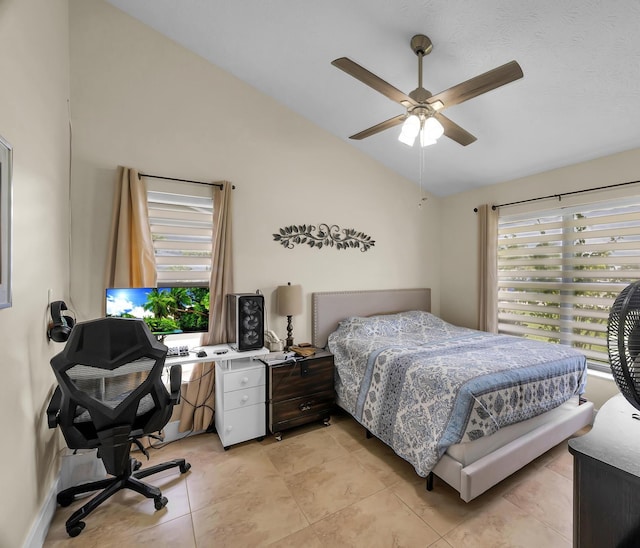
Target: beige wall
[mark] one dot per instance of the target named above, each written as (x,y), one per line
(34,65)
(138,99)
(458,263)
(143,101)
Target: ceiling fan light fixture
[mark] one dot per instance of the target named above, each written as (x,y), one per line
(410,130)
(406,139)
(425,141)
(432,129)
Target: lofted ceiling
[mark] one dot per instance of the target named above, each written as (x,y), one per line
(579,98)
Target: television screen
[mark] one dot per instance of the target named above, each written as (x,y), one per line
(166,310)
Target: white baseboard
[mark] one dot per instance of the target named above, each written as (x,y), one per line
(75,471)
(171,432)
(41,524)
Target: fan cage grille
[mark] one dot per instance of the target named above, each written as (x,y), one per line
(623,343)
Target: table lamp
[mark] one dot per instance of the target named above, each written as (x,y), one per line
(289,304)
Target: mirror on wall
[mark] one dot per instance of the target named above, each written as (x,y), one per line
(5,222)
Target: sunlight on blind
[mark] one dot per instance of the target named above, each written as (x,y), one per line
(559,272)
(181,228)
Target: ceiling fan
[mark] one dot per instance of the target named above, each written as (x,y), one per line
(423,115)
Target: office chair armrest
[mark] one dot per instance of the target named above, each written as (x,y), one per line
(54,408)
(175,382)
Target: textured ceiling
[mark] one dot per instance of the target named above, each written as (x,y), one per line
(579,98)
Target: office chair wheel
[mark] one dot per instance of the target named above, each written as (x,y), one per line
(136,465)
(64,500)
(184,469)
(76,529)
(160,502)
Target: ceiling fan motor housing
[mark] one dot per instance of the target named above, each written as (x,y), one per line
(421,44)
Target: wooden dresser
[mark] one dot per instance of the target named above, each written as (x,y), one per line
(606,479)
(300,392)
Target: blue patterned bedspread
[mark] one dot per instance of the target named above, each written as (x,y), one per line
(421,384)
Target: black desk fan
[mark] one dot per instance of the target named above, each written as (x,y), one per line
(623,342)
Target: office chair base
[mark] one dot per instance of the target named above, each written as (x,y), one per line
(110,486)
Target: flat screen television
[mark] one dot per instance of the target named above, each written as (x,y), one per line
(166,310)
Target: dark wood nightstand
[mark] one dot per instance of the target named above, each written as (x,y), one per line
(300,392)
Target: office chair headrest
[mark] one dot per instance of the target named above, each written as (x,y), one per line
(110,342)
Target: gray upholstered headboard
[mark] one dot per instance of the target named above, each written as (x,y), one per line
(329,308)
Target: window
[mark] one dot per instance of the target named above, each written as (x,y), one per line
(559,272)
(182,231)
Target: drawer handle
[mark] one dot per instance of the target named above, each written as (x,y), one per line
(244,380)
(305,406)
(245,397)
(229,428)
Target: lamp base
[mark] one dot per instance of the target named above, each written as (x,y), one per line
(289,341)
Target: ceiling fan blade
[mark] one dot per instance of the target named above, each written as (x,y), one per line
(454,131)
(391,122)
(477,86)
(373,81)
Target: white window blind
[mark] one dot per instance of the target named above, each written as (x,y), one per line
(182,229)
(559,272)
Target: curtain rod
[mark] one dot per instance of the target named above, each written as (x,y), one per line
(560,195)
(140,175)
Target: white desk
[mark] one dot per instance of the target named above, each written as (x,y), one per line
(216,353)
(240,391)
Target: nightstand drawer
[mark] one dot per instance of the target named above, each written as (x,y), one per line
(248,378)
(243,397)
(305,377)
(300,409)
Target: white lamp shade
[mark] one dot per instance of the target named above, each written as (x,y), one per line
(289,300)
(410,130)
(425,141)
(406,139)
(432,129)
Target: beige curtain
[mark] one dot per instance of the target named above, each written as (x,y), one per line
(131,262)
(198,396)
(488,269)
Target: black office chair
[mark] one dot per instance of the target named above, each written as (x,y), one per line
(110,393)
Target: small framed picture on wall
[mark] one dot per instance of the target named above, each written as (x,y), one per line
(6,158)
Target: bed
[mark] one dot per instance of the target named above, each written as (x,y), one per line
(404,375)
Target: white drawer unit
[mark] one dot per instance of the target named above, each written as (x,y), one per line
(240,400)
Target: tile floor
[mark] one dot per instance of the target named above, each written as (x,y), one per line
(325,487)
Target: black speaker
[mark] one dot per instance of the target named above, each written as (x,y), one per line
(61,324)
(245,321)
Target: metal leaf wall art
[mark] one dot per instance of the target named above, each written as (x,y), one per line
(324,235)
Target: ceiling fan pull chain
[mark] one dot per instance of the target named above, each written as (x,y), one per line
(421,195)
